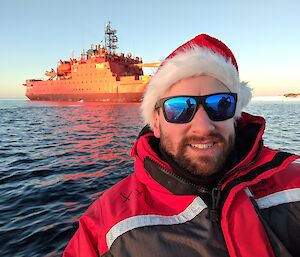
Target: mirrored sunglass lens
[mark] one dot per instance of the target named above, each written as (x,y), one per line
(179,109)
(220,107)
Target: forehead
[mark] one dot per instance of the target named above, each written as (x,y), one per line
(200,85)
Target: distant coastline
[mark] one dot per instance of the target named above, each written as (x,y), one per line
(278,98)
(292,95)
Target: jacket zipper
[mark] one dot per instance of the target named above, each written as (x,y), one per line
(198,188)
(216,191)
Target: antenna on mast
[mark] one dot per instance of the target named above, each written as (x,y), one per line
(110,39)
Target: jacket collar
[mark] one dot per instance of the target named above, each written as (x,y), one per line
(249,138)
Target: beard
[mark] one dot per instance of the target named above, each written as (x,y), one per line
(203,165)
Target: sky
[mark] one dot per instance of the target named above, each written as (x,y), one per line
(263,35)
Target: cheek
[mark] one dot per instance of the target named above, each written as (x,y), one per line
(226,128)
(174,133)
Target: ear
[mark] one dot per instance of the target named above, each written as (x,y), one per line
(156,124)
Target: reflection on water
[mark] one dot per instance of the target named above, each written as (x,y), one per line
(57,158)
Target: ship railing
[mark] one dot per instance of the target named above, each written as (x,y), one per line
(32,80)
(150,64)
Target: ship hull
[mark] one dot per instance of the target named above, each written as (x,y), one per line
(96,87)
(96,97)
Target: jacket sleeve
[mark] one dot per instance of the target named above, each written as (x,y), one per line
(85,240)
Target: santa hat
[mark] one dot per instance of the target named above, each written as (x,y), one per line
(202,55)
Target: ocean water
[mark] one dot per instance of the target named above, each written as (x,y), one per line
(57,158)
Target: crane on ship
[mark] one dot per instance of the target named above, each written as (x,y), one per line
(111,44)
(111,38)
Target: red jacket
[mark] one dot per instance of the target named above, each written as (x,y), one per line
(253,211)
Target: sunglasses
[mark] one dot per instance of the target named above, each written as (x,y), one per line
(182,109)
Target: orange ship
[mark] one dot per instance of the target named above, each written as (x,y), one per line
(100,74)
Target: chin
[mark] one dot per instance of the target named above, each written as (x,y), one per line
(206,168)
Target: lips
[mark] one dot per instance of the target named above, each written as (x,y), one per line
(207,144)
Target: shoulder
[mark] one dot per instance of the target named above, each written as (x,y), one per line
(278,198)
(112,197)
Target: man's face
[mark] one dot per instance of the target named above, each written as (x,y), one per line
(202,145)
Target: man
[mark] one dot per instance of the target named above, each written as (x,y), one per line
(204,184)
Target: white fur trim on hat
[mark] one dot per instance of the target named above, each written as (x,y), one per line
(194,61)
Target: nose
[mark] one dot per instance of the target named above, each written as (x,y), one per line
(201,123)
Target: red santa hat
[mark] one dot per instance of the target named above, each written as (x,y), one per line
(202,55)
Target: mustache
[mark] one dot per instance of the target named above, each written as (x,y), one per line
(213,136)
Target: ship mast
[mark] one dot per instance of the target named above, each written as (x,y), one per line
(110,39)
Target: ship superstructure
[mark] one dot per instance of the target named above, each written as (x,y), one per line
(100,74)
